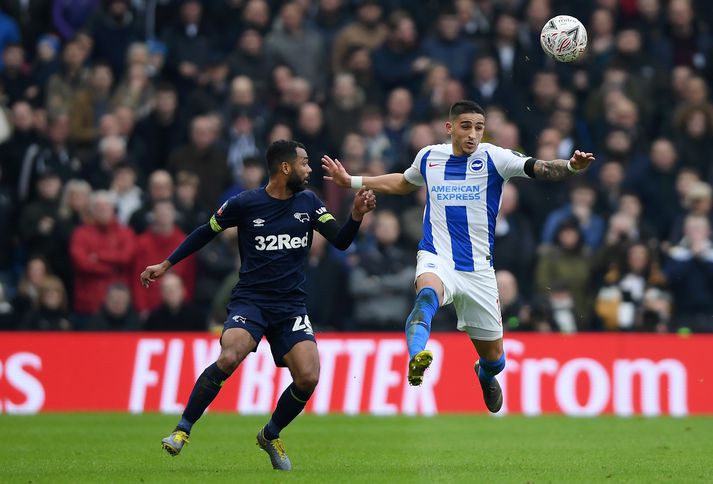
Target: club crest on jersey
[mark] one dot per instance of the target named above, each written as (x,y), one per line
(239,319)
(258,222)
(476,165)
(302,217)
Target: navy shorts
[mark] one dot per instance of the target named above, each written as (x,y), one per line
(282,330)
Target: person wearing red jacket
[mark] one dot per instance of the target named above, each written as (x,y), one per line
(101,254)
(150,246)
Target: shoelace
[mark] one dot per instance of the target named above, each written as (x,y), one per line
(181,436)
(279,447)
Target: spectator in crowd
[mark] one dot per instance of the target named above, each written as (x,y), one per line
(13,150)
(344,109)
(16,83)
(517,315)
(581,207)
(116,314)
(366,31)
(162,130)
(689,270)
(34,17)
(658,189)
(54,155)
(8,319)
(28,290)
(486,88)
(190,213)
(73,76)
(52,313)
(378,144)
(292,43)
(9,32)
(174,313)
(160,188)
(562,276)
(38,219)
(326,279)
(249,60)
(154,244)
(127,195)
(633,279)
(113,29)
(215,262)
(89,104)
(312,132)
(242,142)
(695,140)
(447,46)
(401,61)
(205,158)
(73,211)
(7,237)
(697,200)
(514,246)
(111,154)
(381,283)
(68,16)
(101,254)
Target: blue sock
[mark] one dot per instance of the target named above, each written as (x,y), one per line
(418,324)
(488,369)
(291,403)
(204,391)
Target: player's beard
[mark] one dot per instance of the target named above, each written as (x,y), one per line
(295,183)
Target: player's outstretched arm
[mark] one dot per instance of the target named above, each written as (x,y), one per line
(393,183)
(560,169)
(192,243)
(342,237)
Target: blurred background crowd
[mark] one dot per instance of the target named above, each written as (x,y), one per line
(125,123)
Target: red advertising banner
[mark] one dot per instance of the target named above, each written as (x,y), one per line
(584,374)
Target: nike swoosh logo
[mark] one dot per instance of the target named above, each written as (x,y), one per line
(431,165)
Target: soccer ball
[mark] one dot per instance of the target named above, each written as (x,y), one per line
(563,38)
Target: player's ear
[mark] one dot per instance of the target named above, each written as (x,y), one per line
(449,127)
(285,167)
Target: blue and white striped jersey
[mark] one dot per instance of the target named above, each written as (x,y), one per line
(464,194)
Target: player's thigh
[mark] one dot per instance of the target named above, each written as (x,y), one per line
(478,309)
(303,362)
(432,272)
(242,331)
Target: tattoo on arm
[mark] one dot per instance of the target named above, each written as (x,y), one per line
(551,170)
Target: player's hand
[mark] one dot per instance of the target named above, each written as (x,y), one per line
(335,172)
(364,202)
(151,273)
(581,160)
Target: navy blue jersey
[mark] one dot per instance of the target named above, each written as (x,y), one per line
(274,237)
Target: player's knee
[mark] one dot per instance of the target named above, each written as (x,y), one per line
(229,360)
(307,380)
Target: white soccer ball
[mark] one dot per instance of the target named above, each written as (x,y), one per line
(563,38)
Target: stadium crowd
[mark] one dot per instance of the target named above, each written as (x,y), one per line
(125,123)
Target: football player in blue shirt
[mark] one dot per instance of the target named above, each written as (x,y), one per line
(275,225)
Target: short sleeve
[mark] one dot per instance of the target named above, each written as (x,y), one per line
(413,173)
(509,163)
(228,215)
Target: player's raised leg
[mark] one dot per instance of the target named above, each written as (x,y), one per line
(491,362)
(236,344)
(303,362)
(429,290)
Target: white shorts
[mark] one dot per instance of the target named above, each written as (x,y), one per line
(473,294)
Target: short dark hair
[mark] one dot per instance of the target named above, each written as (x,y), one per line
(279,151)
(464,106)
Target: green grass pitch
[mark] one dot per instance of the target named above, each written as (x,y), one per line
(91,448)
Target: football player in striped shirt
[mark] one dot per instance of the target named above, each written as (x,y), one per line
(464,181)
